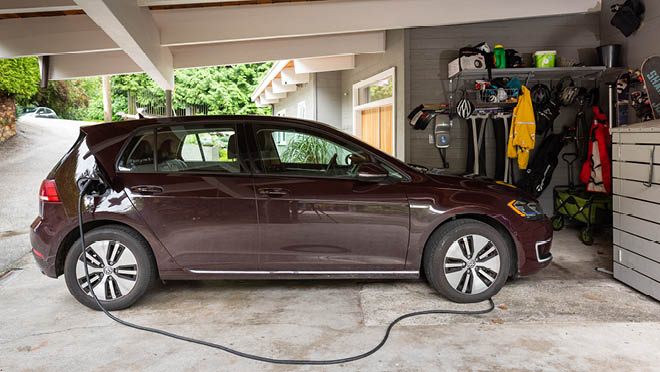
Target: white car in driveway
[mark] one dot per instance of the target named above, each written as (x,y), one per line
(39,112)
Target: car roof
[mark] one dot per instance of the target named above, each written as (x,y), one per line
(109,130)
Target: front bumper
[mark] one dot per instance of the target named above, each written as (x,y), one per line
(535,239)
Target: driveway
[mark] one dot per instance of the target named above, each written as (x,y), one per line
(25,160)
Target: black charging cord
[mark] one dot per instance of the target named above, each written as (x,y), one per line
(84,190)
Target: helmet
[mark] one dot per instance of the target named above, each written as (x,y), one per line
(419,118)
(540,95)
(464,108)
(567,94)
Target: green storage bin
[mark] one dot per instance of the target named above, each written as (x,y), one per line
(545,58)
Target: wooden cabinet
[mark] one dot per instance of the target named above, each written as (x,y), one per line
(636,201)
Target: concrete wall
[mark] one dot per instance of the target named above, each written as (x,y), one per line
(431,48)
(368,65)
(641,44)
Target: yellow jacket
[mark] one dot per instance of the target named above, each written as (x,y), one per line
(523,129)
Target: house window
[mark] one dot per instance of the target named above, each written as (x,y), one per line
(373,110)
(302,110)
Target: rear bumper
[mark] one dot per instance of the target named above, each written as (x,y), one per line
(44,241)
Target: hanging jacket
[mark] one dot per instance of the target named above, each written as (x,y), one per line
(523,130)
(597,170)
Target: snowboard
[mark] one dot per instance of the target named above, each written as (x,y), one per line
(622,98)
(651,74)
(639,98)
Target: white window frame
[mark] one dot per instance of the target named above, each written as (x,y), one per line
(302,106)
(357,108)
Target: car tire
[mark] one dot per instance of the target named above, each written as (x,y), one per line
(120,278)
(464,276)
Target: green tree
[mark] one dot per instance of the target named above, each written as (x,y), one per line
(69,98)
(19,78)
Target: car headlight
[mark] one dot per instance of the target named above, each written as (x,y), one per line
(528,210)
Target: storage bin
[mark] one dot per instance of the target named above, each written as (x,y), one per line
(545,58)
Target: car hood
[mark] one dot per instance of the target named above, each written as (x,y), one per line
(488,186)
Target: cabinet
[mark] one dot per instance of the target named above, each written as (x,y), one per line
(636,201)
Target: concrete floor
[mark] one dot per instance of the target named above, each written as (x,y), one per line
(568,317)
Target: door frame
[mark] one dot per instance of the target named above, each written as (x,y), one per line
(357,108)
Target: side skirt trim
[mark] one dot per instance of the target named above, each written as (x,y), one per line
(224,272)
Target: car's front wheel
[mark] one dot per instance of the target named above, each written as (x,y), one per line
(467,260)
(120,264)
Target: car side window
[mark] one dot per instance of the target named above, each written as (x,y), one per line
(179,149)
(298,152)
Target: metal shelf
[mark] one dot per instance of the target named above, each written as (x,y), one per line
(551,73)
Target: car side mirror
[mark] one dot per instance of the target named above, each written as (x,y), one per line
(371,172)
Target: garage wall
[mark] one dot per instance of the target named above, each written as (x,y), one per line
(368,65)
(640,45)
(430,49)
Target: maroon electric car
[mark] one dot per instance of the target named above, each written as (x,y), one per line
(252,197)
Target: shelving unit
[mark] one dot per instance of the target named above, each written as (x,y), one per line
(577,73)
(525,74)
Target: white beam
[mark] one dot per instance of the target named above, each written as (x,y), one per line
(134,30)
(277,49)
(23,37)
(258,103)
(222,24)
(73,66)
(265,101)
(323,64)
(181,2)
(270,95)
(278,87)
(32,6)
(117,62)
(289,76)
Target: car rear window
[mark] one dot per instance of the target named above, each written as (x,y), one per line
(180,149)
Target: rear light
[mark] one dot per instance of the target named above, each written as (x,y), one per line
(48,192)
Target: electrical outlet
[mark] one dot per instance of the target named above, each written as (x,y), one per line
(431,141)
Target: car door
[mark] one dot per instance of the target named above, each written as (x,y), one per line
(193,188)
(314,216)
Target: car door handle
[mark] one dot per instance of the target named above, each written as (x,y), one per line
(274,192)
(146,189)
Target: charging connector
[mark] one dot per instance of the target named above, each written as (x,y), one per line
(95,186)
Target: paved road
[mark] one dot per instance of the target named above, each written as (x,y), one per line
(25,160)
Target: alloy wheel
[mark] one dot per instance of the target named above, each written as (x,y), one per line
(112,267)
(472,264)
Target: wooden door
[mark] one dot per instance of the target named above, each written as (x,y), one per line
(377,128)
(386,130)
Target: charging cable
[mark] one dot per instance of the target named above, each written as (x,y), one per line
(85,184)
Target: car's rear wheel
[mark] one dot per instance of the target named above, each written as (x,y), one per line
(120,264)
(467,260)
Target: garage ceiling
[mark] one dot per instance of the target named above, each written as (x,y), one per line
(98,37)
